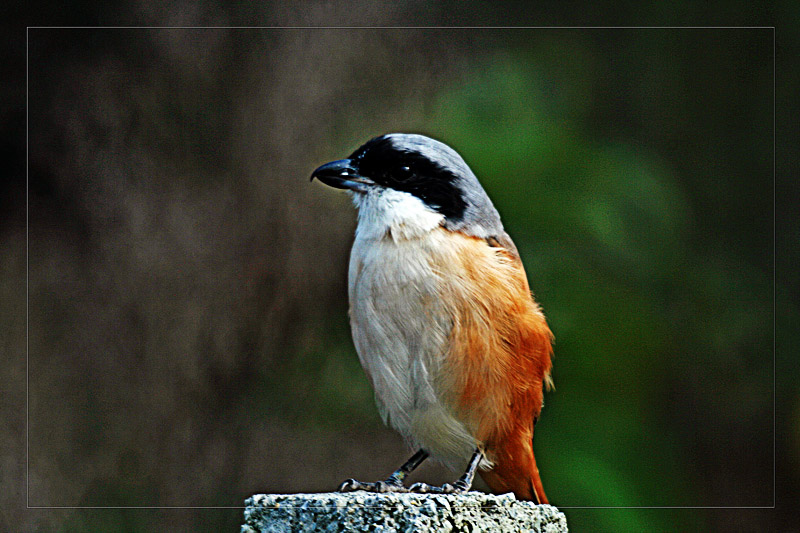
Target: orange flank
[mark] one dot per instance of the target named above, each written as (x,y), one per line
(499,358)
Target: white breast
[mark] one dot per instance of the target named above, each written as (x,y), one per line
(400,324)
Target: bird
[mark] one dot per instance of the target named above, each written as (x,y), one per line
(443,320)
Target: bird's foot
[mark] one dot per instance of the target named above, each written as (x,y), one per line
(459,487)
(390,485)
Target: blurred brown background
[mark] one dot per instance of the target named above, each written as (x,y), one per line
(188,342)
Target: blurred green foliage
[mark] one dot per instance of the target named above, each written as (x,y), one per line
(645,304)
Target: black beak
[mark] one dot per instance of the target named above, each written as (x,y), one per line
(342,174)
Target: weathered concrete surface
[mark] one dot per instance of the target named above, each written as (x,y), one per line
(395,512)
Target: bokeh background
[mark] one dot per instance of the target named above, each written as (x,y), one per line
(188,343)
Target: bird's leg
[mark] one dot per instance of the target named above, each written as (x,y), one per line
(462,485)
(393,483)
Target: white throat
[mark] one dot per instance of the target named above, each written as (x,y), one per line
(396,214)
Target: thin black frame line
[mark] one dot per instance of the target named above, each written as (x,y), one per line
(136,507)
(27,236)
(664,507)
(381,507)
(27,276)
(400,27)
(774,277)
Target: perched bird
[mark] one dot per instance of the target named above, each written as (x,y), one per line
(442,316)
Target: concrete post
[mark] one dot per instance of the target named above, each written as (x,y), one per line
(397,512)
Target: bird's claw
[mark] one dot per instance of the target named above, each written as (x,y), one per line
(447,488)
(351,485)
(388,486)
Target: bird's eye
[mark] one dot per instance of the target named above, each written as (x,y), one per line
(404,173)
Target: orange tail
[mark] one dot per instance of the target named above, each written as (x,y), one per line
(536,481)
(515,471)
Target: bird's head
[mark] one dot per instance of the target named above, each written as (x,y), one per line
(403,177)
